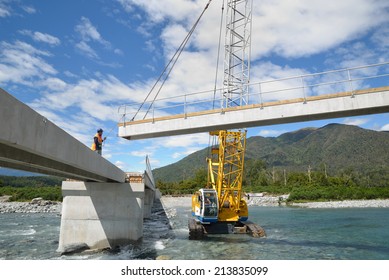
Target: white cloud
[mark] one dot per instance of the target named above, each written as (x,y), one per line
(381,37)
(21,62)
(287,28)
(84,48)
(355,121)
(122,165)
(46,38)
(29,9)
(127,5)
(53,84)
(5,11)
(168,9)
(88,32)
(176,155)
(42,37)
(385,127)
(271,133)
(305,27)
(184,140)
(142,153)
(70,74)
(118,52)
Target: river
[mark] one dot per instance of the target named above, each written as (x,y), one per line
(292,234)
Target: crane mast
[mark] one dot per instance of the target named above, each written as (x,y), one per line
(237,52)
(225,168)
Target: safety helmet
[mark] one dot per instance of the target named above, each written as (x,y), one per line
(99,130)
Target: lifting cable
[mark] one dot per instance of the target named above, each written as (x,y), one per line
(169,67)
(218,55)
(216,78)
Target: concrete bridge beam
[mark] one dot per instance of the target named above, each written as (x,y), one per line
(29,141)
(362,102)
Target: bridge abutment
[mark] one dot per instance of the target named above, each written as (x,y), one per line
(101,215)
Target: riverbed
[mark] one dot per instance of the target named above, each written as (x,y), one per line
(293,233)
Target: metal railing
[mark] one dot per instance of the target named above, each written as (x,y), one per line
(299,86)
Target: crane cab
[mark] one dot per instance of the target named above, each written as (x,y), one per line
(205,206)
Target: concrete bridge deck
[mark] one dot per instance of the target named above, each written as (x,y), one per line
(344,104)
(29,141)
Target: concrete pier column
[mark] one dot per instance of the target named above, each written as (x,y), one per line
(101,215)
(148,203)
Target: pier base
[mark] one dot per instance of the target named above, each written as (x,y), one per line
(101,215)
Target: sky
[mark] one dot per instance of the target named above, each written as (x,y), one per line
(77,61)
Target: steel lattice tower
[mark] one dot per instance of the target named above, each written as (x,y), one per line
(237,53)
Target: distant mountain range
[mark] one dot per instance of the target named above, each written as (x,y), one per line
(339,147)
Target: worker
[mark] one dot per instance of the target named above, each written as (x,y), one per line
(98,141)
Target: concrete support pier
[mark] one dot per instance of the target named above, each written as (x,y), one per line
(101,215)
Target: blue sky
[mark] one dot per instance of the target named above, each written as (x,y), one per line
(76,62)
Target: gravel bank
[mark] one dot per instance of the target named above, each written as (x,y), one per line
(185,201)
(170,202)
(28,207)
(377,203)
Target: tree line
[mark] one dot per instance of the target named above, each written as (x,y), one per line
(27,188)
(309,185)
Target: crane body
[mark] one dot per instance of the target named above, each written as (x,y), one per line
(220,207)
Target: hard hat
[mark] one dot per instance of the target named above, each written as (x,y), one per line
(99,130)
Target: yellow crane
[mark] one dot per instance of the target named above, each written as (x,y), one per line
(220,207)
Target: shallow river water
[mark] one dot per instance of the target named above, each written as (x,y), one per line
(292,233)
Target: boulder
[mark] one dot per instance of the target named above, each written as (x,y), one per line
(5,198)
(37,200)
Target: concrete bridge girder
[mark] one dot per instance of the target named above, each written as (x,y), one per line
(364,102)
(29,141)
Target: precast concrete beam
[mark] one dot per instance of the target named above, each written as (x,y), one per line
(370,101)
(31,142)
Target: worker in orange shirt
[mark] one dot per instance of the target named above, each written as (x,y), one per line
(98,141)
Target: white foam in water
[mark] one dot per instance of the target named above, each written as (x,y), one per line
(170,213)
(30,231)
(159,245)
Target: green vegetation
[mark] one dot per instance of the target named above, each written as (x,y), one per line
(27,188)
(28,193)
(333,162)
(302,186)
(334,148)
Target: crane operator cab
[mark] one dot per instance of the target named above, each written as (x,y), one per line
(205,206)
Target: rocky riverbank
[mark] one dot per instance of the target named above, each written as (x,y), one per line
(37,205)
(266,200)
(375,203)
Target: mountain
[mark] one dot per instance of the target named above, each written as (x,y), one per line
(338,147)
